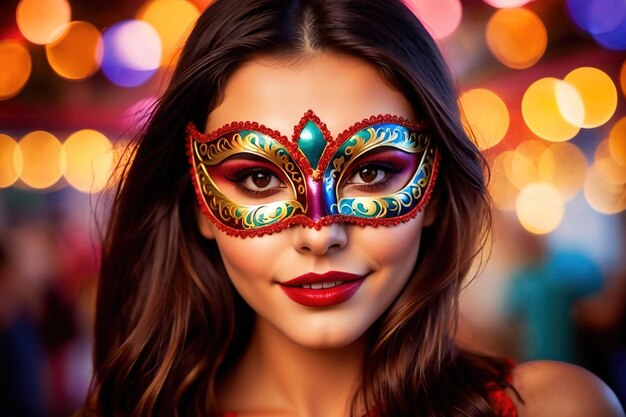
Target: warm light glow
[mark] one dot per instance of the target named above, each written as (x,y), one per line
(10,161)
(132,53)
(441,18)
(41,21)
(88,160)
(544,106)
(516,37)
(173,20)
(598,93)
(524,168)
(487,116)
(611,171)
(617,142)
(77,53)
(502,190)
(563,165)
(603,196)
(41,154)
(13,77)
(540,208)
(507,4)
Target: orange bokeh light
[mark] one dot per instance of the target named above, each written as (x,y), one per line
(41,21)
(487,117)
(597,92)
(173,20)
(41,154)
(540,208)
(13,77)
(88,157)
(617,142)
(516,37)
(10,161)
(77,53)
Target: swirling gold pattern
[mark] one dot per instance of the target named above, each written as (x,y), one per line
(232,213)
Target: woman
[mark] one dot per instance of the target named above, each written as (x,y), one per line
(297,259)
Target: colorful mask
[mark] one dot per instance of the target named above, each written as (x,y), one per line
(251,180)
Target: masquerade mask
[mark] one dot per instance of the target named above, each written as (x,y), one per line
(251,180)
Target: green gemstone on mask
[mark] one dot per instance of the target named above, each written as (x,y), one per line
(311,143)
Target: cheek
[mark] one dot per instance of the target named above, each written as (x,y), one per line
(396,247)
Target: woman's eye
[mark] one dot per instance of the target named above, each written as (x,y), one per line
(368,175)
(261,180)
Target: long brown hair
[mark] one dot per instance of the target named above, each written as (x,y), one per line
(169,322)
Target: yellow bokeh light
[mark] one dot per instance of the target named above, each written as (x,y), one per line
(41,21)
(617,142)
(563,165)
(10,161)
(75,55)
(543,108)
(540,208)
(603,196)
(40,152)
(524,167)
(172,19)
(88,156)
(597,92)
(611,171)
(503,191)
(487,117)
(516,37)
(13,77)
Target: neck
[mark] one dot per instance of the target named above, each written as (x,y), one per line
(280,376)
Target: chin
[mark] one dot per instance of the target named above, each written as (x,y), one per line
(320,338)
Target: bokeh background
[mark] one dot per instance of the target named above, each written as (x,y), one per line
(543,87)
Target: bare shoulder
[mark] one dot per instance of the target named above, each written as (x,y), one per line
(550,388)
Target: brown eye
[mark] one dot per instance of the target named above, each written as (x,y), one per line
(368,175)
(261,179)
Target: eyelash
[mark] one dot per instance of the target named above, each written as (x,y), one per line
(239,175)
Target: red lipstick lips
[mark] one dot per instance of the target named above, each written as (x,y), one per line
(322,290)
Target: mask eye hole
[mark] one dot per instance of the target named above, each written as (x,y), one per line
(249,179)
(382,172)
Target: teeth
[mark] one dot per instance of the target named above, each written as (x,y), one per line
(322,285)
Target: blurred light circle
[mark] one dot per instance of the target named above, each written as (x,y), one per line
(524,167)
(553,109)
(41,21)
(173,20)
(612,171)
(503,192)
(13,77)
(516,37)
(487,117)
(88,156)
(441,18)
(605,20)
(77,53)
(597,92)
(507,4)
(603,196)
(11,163)
(540,208)
(123,155)
(617,142)
(132,53)
(41,159)
(563,165)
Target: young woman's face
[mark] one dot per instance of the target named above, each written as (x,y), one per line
(374,263)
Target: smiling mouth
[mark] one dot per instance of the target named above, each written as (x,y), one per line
(323,290)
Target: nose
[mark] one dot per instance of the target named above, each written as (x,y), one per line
(328,239)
